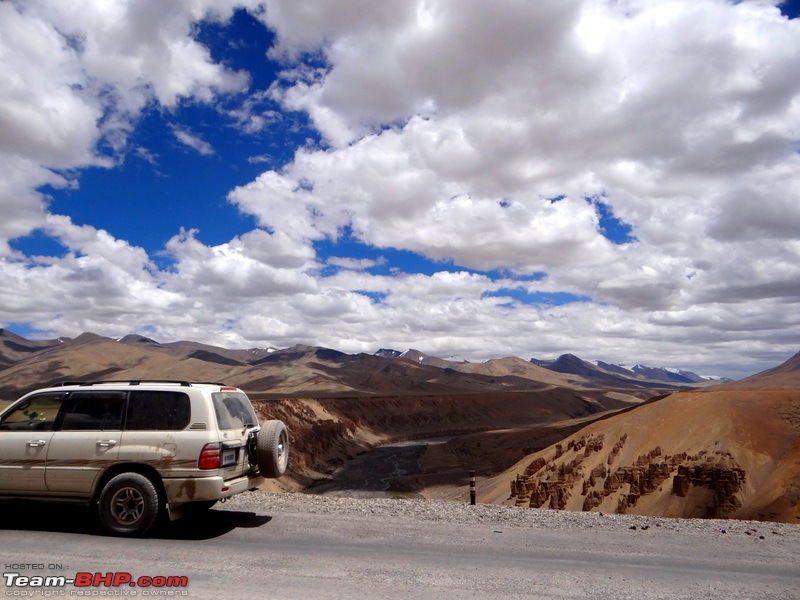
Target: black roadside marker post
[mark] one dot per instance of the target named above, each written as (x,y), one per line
(472,487)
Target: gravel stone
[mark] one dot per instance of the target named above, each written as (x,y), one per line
(499,516)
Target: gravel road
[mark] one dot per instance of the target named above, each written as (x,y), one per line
(506,552)
(454,513)
(296,546)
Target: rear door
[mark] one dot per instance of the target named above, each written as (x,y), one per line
(25,435)
(86,441)
(237,422)
(152,423)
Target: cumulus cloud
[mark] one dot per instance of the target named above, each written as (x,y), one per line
(252,266)
(477,135)
(682,115)
(101,283)
(465,121)
(392,194)
(44,117)
(76,78)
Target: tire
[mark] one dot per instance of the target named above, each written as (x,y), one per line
(129,505)
(273,449)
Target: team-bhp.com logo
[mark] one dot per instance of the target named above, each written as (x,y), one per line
(95,584)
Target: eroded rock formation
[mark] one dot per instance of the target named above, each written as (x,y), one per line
(551,483)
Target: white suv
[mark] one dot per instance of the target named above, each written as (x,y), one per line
(134,449)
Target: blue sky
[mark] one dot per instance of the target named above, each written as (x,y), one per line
(618,181)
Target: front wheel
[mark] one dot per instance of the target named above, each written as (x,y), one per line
(129,504)
(273,449)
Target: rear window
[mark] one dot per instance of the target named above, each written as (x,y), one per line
(233,410)
(157,411)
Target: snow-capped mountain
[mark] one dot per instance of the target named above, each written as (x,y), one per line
(569,363)
(388,353)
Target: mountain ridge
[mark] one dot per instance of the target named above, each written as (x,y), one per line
(569,363)
(574,371)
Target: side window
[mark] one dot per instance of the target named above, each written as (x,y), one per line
(37,413)
(158,411)
(93,411)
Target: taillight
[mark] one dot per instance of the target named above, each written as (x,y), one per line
(209,457)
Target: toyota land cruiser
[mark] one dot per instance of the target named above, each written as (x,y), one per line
(136,449)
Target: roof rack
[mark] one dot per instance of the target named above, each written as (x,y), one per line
(132,382)
(182,383)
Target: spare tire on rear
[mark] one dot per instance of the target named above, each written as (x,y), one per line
(273,449)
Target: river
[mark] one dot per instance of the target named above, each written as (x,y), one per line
(371,474)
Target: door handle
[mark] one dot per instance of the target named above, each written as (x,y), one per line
(106,443)
(35,443)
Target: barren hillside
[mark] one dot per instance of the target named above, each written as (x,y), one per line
(732,453)
(785,376)
(327,431)
(537,437)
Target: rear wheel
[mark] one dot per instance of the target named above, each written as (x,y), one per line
(273,449)
(129,504)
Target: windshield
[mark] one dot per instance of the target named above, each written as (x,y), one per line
(233,410)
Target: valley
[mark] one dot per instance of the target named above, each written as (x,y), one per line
(582,437)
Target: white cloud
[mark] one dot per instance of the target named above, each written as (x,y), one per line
(192,141)
(44,116)
(256,113)
(354,264)
(450,128)
(142,50)
(76,75)
(683,115)
(22,208)
(253,266)
(391,191)
(101,283)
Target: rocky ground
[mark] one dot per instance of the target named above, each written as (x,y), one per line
(782,535)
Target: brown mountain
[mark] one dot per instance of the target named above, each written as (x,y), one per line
(205,352)
(14,348)
(300,370)
(336,404)
(784,376)
(89,357)
(731,451)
